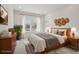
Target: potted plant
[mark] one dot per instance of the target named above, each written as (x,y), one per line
(18,30)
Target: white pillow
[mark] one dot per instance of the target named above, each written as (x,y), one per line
(54,31)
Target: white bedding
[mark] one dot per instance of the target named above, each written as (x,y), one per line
(39,43)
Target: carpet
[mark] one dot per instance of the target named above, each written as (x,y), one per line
(22,49)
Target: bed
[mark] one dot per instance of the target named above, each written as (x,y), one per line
(44,42)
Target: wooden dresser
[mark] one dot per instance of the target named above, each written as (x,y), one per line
(7,44)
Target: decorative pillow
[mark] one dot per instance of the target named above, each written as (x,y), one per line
(61,32)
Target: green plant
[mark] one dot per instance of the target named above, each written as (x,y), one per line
(18,30)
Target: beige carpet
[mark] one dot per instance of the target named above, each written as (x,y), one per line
(64,50)
(20,49)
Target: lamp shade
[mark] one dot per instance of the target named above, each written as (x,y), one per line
(73,30)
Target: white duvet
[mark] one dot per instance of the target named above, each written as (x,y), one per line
(39,43)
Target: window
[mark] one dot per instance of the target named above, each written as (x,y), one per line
(33,23)
(30,23)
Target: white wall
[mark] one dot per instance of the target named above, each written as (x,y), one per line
(71,12)
(10,18)
(17,18)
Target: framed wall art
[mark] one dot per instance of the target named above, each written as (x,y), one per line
(3,16)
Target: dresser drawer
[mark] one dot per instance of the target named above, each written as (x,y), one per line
(74,43)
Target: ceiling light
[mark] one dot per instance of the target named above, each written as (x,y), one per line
(20,7)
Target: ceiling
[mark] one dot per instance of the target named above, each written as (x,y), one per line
(41,8)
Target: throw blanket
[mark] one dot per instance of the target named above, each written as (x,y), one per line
(51,40)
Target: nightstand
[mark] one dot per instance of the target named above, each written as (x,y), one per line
(7,44)
(74,42)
